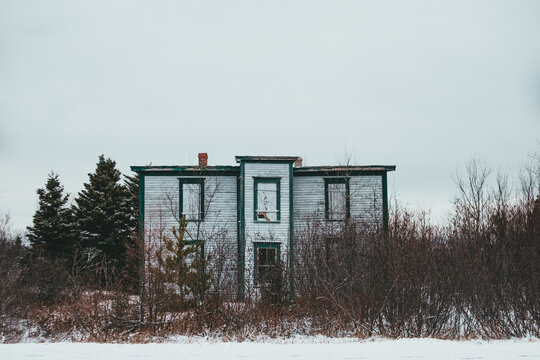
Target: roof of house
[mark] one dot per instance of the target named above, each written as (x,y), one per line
(193,170)
(266,158)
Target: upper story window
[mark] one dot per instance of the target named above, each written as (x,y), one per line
(266,199)
(192,199)
(336,196)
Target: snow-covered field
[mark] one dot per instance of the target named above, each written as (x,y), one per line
(313,349)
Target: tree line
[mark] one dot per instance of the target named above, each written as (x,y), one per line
(475,276)
(100,226)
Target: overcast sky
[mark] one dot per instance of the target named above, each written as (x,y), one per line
(423,85)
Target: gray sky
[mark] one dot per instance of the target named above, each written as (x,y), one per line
(425,85)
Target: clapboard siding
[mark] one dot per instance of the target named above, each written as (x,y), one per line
(365,192)
(219,228)
(366,198)
(263,231)
(233,252)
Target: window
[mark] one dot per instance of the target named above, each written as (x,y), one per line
(197,258)
(336,196)
(192,199)
(266,199)
(266,261)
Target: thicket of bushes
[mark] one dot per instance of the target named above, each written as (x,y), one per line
(476,276)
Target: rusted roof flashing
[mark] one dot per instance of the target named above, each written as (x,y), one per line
(265,158)
(164,168)
(344,169)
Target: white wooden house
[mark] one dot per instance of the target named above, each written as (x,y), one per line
(247,215)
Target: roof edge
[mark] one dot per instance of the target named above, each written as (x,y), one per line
(179,168)
(345,168)
(240,158)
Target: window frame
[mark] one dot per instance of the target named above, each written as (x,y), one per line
(337,180)
(201,254)
(264,245)
(266,180)
(183,181)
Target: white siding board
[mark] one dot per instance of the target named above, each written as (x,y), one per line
(265,231)
(365,198)
(219,228)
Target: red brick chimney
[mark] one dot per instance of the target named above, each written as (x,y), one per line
(203,159)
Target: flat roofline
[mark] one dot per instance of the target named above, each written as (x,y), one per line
(265,158)
(161,168)
(235,168)
(345,168)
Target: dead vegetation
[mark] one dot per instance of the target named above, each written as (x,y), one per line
(476,277)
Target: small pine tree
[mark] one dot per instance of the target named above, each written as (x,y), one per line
(188,277)
(52,229)
(102,214)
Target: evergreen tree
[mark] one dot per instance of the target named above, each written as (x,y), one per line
(132,185)
(102,214)
(53,224)
(183,265)
(135,250)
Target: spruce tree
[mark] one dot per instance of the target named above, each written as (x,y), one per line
(102,214)
(52,230)
(132,185)
(135,250)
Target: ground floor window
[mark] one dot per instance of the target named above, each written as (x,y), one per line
(197,258)
(266,262)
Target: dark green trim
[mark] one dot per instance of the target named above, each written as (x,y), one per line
(189,172)
(137,168)
(274,159)
(199,243)
(337,180)
(268,161)
(264,245)
(141,234)
(183,181)
(141,205)
(337,172)
(385,201)
(238,234)
(346,168)
(266,180)
(243,230)
(291,230)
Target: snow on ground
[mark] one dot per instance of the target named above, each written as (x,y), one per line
(307,349)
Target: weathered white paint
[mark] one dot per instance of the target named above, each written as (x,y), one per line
(366,198)
(221,221)
(263,231)
(365,193)
(219,228)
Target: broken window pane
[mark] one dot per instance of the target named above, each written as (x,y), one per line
(267,201)
(337,201)
(266,263)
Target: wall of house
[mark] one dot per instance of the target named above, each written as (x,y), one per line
(262,231)
(366,199)
(218,230)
